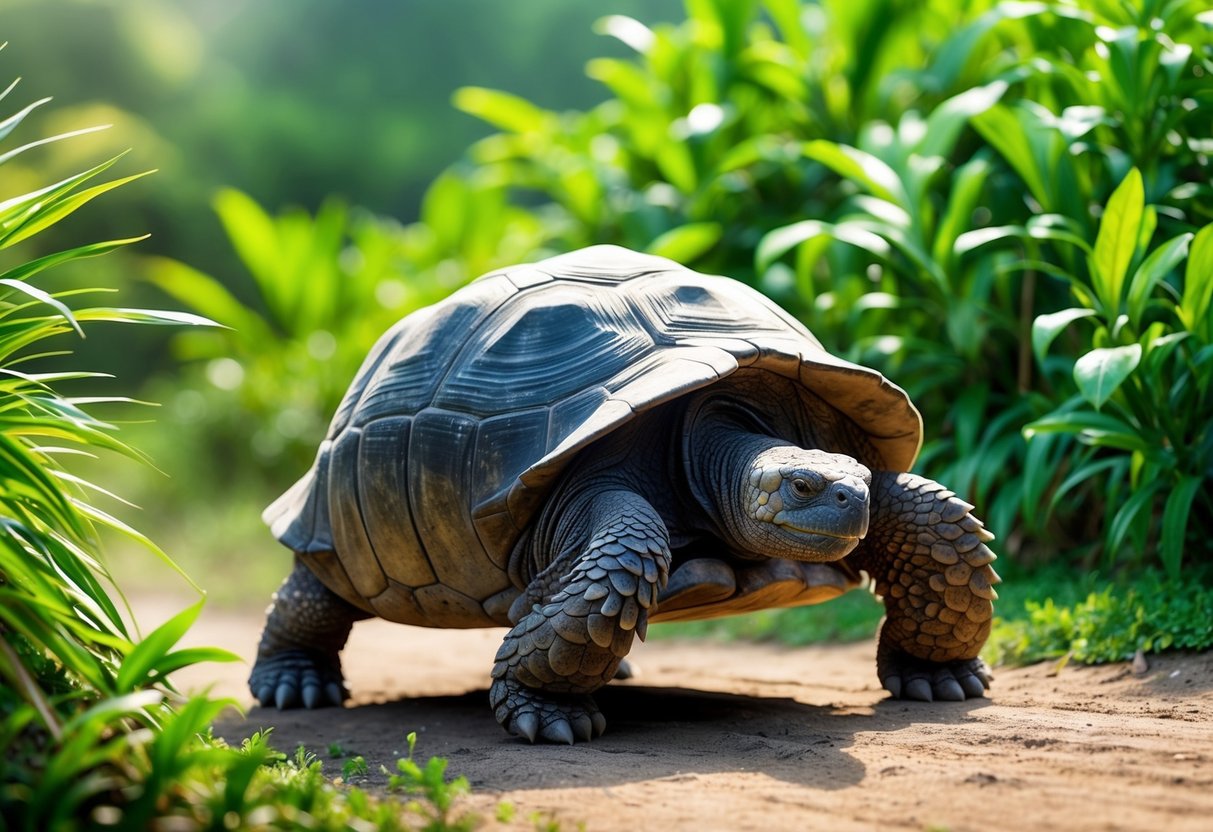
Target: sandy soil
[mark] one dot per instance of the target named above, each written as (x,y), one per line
(756,737)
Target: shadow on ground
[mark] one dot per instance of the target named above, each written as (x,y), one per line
(653,733)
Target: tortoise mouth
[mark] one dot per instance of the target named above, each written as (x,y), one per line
(822,545)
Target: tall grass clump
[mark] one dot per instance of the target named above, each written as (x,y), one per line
(92,733)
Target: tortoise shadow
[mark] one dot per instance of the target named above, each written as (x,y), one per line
(653,733)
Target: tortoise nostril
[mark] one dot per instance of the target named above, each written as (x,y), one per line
(841,497)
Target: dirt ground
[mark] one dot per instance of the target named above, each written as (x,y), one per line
(758,737)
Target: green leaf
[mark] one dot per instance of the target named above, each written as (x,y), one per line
(1117,240)
(1047,327)
(153,648)
(687,242)
(208,296)
(776,243)
(1100,429)
(1175,522)
(1152,270)
(1101,371)
(863,168)
(9,124)
(502,110)
(55,210)
(1198,286)
(946,121)
(6,157)
(1125,516)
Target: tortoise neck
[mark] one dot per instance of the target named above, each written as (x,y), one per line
(721,440)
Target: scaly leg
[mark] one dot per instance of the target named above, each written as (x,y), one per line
(929,559)
(562,651)
(297,662)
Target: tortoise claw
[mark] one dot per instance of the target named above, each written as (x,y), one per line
(948,690)
(286,696)
(527,725)
(558,731)
(583,727)
(920,689)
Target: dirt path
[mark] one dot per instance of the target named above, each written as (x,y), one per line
(755,737)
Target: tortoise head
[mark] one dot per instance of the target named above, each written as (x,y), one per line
(804,504)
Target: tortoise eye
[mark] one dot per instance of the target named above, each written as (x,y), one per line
(801,487)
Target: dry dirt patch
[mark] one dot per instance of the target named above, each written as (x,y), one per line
(757,737)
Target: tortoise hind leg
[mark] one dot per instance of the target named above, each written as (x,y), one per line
(928,557)
(562,651)
(298,659)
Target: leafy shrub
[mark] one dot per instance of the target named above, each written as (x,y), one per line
(1144,401)
(1152,613)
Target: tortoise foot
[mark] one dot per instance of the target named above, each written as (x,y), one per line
(297,678)
(908,677)
(545,717)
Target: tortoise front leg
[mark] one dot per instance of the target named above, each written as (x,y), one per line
(928,557)
(562,651)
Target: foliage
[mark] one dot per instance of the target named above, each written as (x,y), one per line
(78,687)
(1144,401)
(1151,613)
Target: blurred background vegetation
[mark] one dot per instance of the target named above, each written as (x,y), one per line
(1003,206)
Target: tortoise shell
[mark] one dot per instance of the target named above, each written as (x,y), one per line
(465,413)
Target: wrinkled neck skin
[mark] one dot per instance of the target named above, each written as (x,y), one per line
(721,438)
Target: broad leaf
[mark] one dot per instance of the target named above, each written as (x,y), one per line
(779,241)
(862,168)
(1198,285)
(1117,241)
(687,242)
(1047,327)
(502,109)
(1101,371)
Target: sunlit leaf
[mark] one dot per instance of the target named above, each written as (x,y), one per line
(1161,262)
(1117,240)
(1194,306)
(776,243)
(501,109)
(687,242)
(1047,327)
(627,30)
(860,167)
(1101,371)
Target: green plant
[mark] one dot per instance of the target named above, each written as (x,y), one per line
(80,690)
(437,794)
(1143,382)
(1150,613)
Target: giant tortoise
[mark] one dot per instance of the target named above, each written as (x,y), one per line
(580,446)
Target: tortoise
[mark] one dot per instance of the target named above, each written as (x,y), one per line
(577,447)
